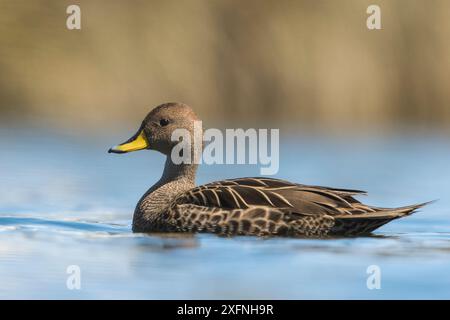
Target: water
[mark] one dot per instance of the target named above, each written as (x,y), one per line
(65,201)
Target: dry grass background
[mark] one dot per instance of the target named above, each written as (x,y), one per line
(253,62)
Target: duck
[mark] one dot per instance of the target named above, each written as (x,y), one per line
(249,206)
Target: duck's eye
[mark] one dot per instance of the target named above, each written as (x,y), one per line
(163,122)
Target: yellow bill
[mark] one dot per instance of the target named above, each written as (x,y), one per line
(137,142)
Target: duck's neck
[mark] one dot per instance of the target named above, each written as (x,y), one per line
(173,172)
(176,178)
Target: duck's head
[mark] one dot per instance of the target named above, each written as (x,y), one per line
(156,130)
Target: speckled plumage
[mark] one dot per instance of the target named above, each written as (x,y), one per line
(245,206)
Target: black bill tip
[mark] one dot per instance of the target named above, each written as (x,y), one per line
(113,150)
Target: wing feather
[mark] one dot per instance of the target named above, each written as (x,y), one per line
(249,192)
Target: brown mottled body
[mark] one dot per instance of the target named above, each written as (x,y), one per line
(271,207)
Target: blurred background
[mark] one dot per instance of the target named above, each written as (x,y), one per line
(277,63)
(357,108)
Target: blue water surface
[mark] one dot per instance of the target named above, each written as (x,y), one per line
(64,201)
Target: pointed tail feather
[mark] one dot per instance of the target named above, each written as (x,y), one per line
(403,211)
(360,224)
